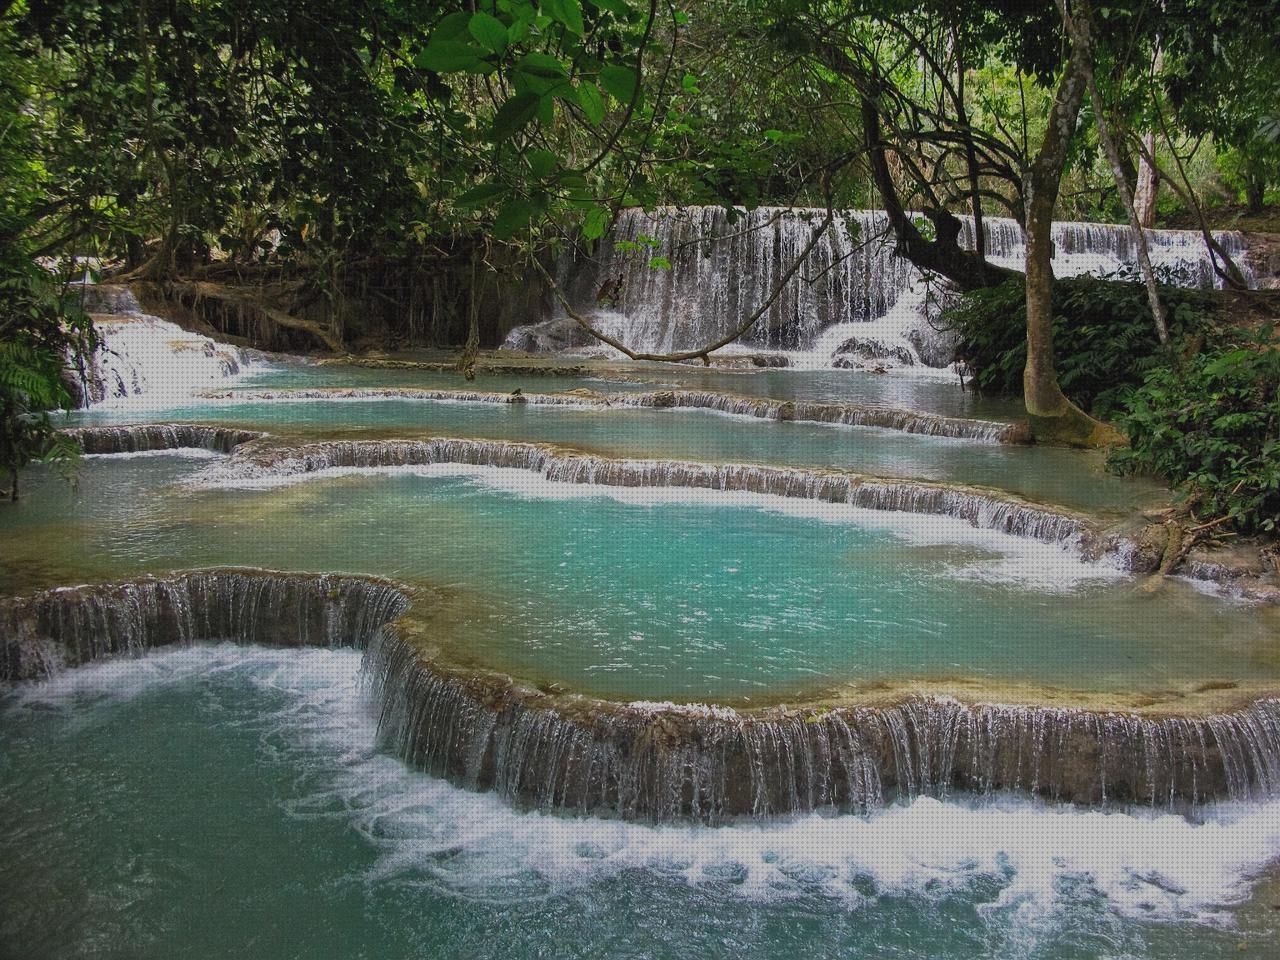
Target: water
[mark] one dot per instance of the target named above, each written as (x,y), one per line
(140,354)
(1051,474)
(850,285)
(231,802)
(236,801)
(658,594)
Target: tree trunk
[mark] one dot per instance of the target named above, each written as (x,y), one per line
(943,255)
(1122,187)
(1255,191)
(1148,184)
(1052,416)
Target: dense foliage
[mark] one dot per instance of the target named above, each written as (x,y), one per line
(43,336)
(1102,327)
(1212,427)
(418,161)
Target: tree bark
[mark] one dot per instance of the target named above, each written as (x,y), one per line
(943,255)
(1144,198)
(1081,33)
(1052,416)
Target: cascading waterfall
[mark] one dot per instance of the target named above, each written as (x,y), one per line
(986,509)
(637,762)
(143,354)
(854,300)
(146,437)
(561,751)
(45,633)
(762,408)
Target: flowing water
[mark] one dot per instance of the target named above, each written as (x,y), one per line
(1054,475)
(667,593)
(234,800)
(303,839)
(852,295)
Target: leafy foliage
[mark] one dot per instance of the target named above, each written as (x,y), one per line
(1103,332)
(41,330)
(1212,428)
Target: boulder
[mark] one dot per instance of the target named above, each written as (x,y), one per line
(549,336)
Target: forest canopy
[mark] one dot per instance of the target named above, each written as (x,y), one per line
(322,162)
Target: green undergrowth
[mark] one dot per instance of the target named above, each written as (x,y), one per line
(1202,413)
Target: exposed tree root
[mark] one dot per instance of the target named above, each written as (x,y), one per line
(208,290)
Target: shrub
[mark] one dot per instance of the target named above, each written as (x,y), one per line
(1212,428)
(1104,335)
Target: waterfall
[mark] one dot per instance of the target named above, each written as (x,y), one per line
(489,732)
(42,634)
(142,437)
(853,299)
(655,761)
(759,408)
(142,354)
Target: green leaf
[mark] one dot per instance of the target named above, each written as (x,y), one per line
(452,27)
(617,7)
(513,217)
(514,114)
(591,100)
(618,81)
(543,163)
(568,12)
(489,31)
(546,110)
(482,195)
(541,65)
(448,56)
(595,223)
(659,263)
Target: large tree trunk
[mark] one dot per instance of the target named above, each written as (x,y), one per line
(1053,417)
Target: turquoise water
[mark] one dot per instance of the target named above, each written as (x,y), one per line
(1054,475)
(645,594)
(929,394)
(232,803)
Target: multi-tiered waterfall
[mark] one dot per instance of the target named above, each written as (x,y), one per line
(852,301)
(141,354)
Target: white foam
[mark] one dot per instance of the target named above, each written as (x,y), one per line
(189,453)
(1007,853)
(146,362)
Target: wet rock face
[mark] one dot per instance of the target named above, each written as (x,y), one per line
(847,355)
(936,348)
(42,634)
(110,298)
(550,336)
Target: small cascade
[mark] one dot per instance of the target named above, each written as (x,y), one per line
(1098,248)
(142,354)
(45,633)
(761,408)
(657,761)
(666,762)
(854,302)
(145,437)
(985,509)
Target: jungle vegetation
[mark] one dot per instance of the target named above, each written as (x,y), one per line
(288,160)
